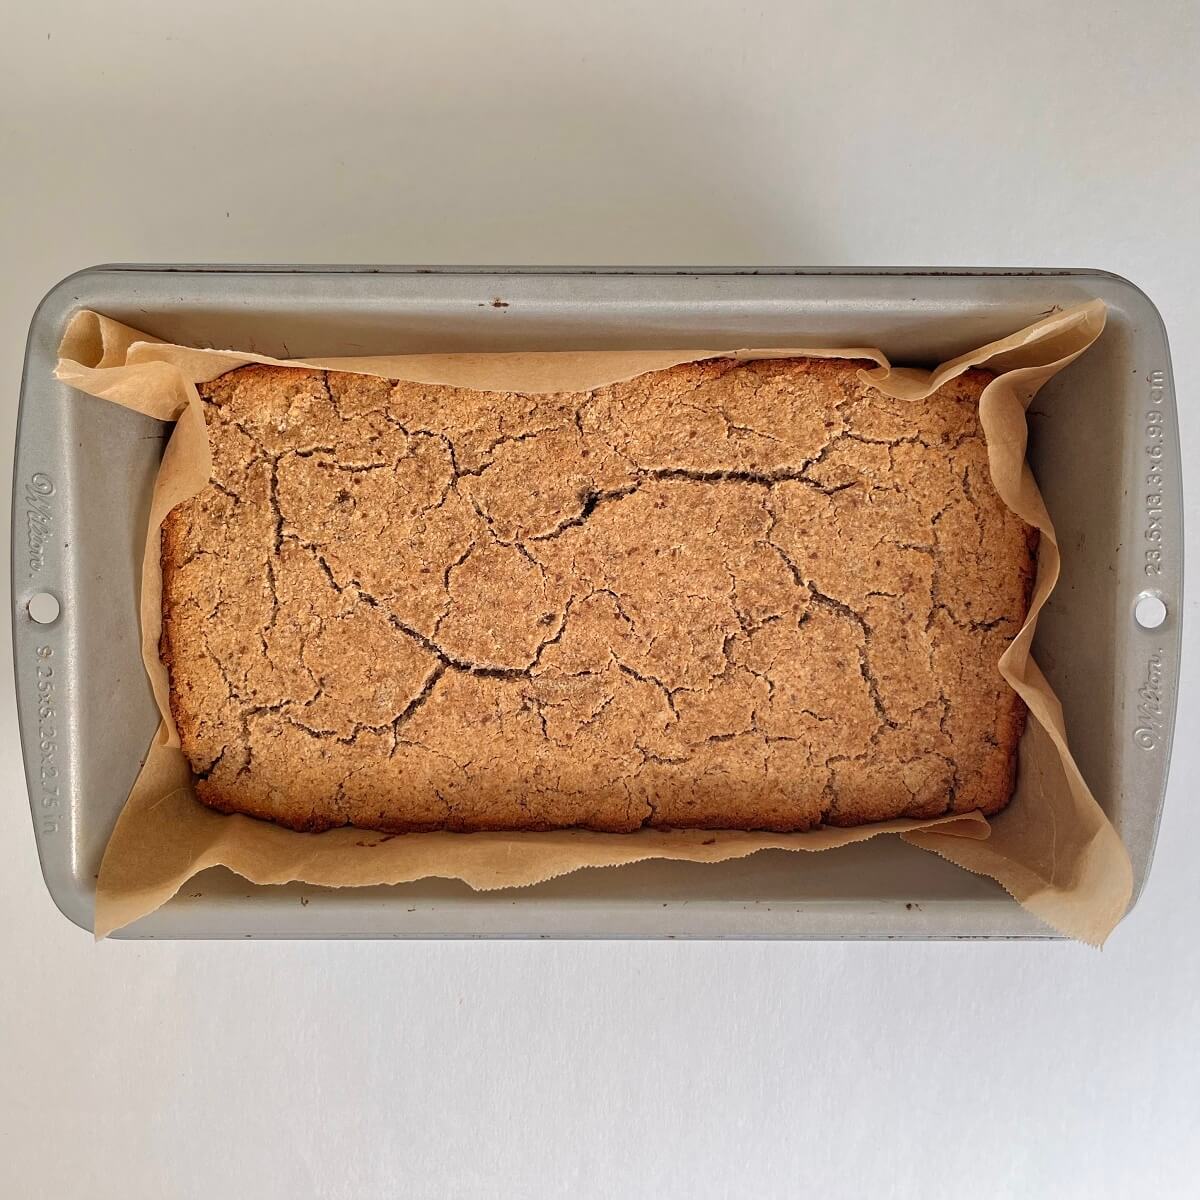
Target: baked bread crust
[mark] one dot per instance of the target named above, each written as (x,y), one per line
(725,595)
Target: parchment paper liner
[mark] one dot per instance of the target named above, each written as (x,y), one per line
(1053,848)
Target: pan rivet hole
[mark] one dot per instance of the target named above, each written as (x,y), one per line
(1149,611)
(44,608)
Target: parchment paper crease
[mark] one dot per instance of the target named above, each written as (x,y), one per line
(1053,848)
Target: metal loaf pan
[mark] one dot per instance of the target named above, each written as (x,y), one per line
(1104,447)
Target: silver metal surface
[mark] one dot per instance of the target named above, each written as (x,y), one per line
(1104,445)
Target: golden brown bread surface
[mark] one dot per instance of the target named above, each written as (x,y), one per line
(741,596)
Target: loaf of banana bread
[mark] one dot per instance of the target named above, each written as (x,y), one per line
(755,595)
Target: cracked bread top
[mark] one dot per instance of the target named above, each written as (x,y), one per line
(725,595)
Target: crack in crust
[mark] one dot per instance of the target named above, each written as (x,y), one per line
(727,595)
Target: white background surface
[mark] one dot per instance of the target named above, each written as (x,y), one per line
(772,133)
